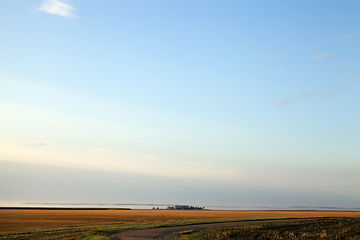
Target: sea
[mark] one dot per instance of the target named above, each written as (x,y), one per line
(164,206)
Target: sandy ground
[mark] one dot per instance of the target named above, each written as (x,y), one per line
(20,220)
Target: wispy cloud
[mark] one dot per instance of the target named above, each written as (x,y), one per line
(35,144)
(347,69)
(330,94)
(321,56)
(57,7)
(320,92)
(283,103)
(102,150)
(311,93)
(113,160)
(357,78)
(341,64)
(350,36)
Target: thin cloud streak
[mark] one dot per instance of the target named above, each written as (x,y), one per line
(340,64)
(330,94)
(321,56)
(350,36)
(35,144)
(283,103)
(113,160)
(354,79)
(311,93)
(57,7)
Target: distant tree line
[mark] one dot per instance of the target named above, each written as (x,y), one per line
(184,207)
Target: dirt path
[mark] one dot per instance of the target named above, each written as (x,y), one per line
(172,233)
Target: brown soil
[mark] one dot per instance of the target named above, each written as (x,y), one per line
(13,220)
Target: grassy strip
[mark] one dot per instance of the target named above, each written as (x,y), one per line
(90,232)
(335,228)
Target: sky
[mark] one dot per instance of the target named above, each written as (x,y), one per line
(241,103)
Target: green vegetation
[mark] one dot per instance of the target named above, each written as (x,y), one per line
(91,232)
(94,237)
(324,228)
(338,228)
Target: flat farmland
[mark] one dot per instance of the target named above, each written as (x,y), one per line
(16,220)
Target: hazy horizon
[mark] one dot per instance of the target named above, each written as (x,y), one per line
(226,103)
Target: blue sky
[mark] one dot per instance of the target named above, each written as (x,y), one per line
(255,98)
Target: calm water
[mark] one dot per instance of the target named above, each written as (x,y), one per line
(164,206)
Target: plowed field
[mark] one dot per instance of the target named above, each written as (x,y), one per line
(14,220)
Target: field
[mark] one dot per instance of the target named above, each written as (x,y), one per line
(339,228)
(69,224)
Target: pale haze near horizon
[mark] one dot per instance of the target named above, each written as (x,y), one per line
(207,102)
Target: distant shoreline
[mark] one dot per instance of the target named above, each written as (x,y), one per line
(60,208)
(162,206)
(240,210)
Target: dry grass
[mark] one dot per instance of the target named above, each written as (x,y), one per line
(12,220)
(332,228)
